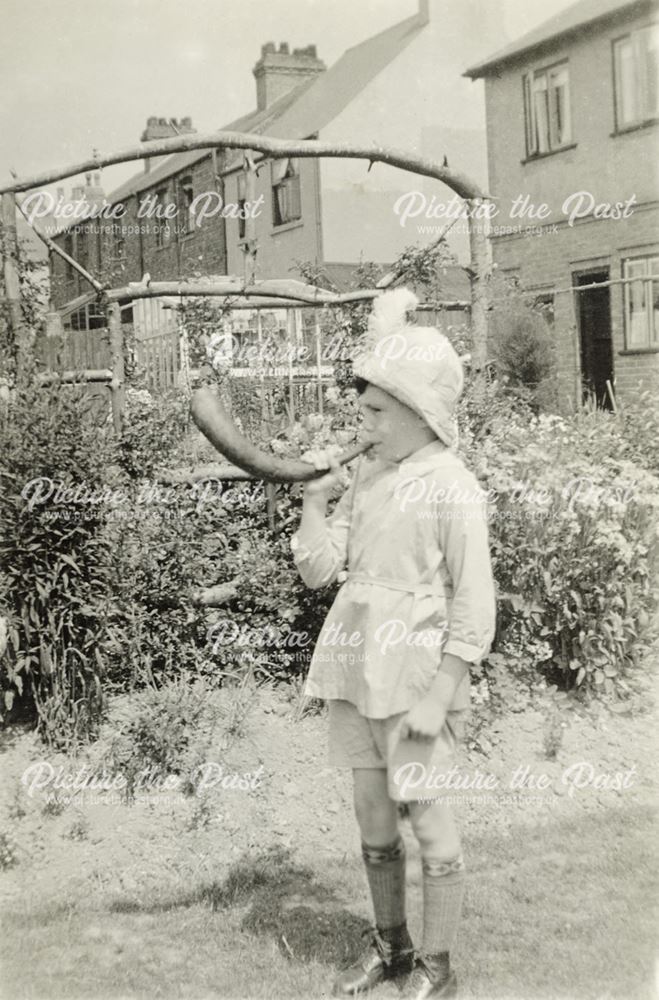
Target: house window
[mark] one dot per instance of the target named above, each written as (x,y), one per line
(636,68)
(119,243)
(68,249)
(82,248)
(161,223)
(242,192)
(286,202)
(185,199)
(547,109)
(642,303)
(544,306)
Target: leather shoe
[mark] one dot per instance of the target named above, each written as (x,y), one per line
(430,980)
(380,960)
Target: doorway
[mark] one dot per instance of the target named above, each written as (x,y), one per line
(594,312)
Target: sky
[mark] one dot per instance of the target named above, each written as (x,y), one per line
(82,74)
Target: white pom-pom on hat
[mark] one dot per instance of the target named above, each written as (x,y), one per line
(417,365)
(389,312)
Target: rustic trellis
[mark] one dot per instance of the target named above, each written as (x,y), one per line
(245,292)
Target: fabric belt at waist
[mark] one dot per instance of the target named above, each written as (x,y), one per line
(424,589)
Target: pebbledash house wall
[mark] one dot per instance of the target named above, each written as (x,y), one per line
(611,165)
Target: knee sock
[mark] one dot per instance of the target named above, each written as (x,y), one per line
(385,869)
(443,892)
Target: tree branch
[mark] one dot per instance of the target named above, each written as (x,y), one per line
(58,250)
(276,148)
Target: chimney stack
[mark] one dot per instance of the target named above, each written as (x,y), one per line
(279,71)
(164,128)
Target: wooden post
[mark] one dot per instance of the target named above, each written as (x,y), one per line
(479,301)
(271,503)
(261,364)
(316,325)
(11,278)
(117,385)
(290,334)
(250,225)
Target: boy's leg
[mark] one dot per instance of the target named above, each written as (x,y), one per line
(390,950)
(383,849)
(443,893)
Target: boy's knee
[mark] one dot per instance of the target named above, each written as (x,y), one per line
(435,831)
(375,812)
(375,817)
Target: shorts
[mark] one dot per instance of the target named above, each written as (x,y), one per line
(415,770)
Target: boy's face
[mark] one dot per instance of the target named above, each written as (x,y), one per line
(395,430)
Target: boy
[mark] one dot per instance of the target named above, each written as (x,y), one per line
(415,608)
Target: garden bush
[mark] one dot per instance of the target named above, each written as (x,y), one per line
(157,540)
(521,346)
(153,428)
(574,543)
(160,735)
(54,589)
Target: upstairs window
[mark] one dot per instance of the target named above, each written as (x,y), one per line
(119,236)
(547,109)
(642,303)
(69,271)
(286,202)
(636,71)
(160,223)
(242,197)
(185,199)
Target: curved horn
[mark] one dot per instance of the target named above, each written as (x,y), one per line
(215,423)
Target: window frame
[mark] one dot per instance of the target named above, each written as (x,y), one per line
(163,231)
(648,281)
(241,199)
(643,114)
(531,132)
(185,198)
(286,182)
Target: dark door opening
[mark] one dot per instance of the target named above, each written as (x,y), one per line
(594,311)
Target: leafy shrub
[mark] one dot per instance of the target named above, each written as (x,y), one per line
(152,428)
(56,558)
(574,546)
(163,732)
(521,346)
(158,541)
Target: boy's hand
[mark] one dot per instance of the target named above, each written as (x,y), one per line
(324,458)
(423,722)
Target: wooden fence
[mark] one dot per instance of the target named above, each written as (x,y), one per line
(160,356)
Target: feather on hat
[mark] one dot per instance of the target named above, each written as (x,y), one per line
(417,365)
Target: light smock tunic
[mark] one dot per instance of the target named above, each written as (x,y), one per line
(418,582)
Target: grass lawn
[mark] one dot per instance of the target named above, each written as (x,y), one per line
(564,909)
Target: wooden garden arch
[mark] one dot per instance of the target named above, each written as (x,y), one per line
(255,293)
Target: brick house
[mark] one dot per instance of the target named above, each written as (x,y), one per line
(388,88)
(572,125)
